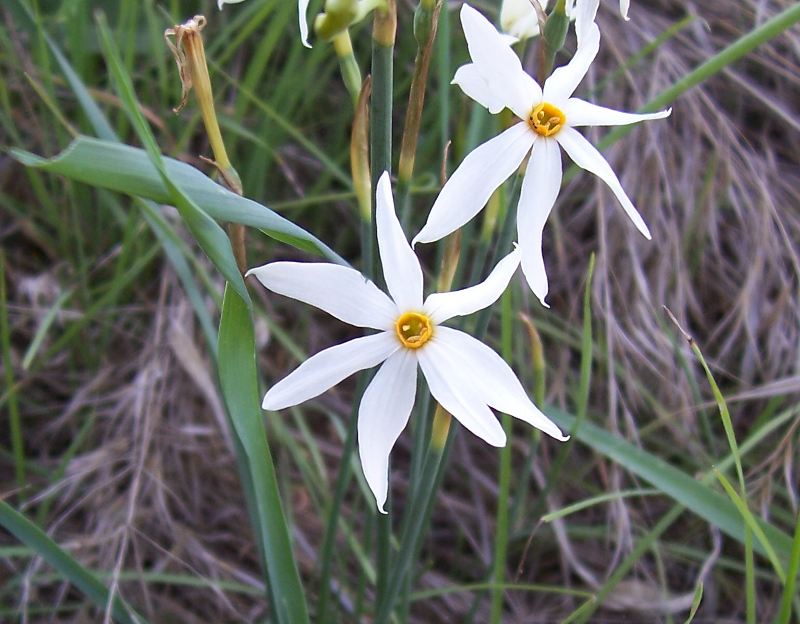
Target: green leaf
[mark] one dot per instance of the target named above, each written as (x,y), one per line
(31,535)
(237,370)
(698,597)
(208,233)
(753,525)
(129,170)
(696,496)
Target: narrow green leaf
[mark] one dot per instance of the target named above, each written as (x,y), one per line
(754,526)
(698,597)
(209,234)
(596,500)
(683,488)
(791,578)
(129,170)
(238,378)
(32,536)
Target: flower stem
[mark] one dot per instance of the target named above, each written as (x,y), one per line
(426,20)
(351,74)
(504,477)
(383,38)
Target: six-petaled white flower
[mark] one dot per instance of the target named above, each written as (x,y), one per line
(464,375)
(496,80)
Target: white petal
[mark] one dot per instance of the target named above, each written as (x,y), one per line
(456,395)
(443,306)
(401,267)
(302,10)
(475,86)
(582,113)
(539,192)
(624,5)
(327,368)
(220,3)
(563,81)
(480,173)
(585,155)
(499,64)
(340,291)
(585,15)
(493,379)
(519,18)
(382,416)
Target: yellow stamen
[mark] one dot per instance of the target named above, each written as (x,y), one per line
(413,329)
(546,119)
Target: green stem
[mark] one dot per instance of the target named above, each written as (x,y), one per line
(504,490)
(583,395)
(383,37)
(14,420)
(426,20)
(332,515)
(351,74)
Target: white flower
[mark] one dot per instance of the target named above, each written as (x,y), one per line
(302,9)
(519,19)
(496,80)
(465,376)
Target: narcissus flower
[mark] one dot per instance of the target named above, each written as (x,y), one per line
(464,375)
(549,114)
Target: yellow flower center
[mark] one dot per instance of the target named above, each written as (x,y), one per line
(413,329)
(546,119)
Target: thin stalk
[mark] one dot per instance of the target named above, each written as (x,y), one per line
(383,37)
(14,420)
(333,511)
(426,20)
(583,393)
(785,613)
(351,74)
(504,477)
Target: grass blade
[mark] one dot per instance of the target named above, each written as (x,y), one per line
(791,578)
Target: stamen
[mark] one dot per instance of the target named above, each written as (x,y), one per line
(546,119)
(413,329)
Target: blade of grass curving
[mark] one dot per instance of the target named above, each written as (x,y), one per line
(129,170)
(785,613)
(696,600)
(239,381)
(727,423)
(754,526)
(31,535)
(596,500)
(209,235)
